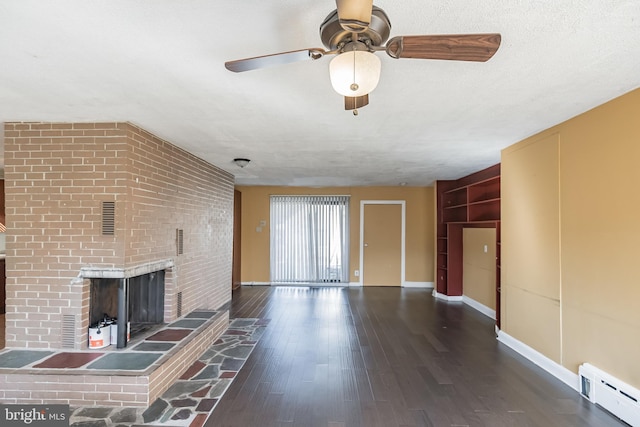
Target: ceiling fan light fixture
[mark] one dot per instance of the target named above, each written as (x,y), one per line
(355,73)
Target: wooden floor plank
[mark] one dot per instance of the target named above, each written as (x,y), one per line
(389,357)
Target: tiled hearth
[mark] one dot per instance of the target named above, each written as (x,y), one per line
(190,400)
(133,377)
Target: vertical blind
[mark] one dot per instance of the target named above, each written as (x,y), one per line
(309,239)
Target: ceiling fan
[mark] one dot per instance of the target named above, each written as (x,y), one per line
(354,32)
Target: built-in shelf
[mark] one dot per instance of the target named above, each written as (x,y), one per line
(471,201)
(464,205)
(484,202)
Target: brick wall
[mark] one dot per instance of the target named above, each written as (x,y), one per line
(56,177)
(171,189)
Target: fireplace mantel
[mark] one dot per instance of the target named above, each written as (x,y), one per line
(91,272)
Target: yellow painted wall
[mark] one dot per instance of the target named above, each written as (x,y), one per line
(530,256)
(571,240)
(478,266)
(419,227)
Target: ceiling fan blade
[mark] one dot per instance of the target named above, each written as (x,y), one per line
(247,64)
(456,47)
(354,15)
(354,102)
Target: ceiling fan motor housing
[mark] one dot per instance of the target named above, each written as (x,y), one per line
(334,37)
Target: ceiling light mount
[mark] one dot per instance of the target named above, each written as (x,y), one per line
(333,35)
(241,162)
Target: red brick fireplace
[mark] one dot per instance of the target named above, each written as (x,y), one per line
(107,200)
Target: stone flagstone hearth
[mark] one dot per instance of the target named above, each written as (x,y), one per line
(188,402)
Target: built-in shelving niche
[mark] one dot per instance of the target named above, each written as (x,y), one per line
(471,201)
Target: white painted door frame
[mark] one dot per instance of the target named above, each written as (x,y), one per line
(403,239)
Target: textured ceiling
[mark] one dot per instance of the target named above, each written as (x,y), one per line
(160,65)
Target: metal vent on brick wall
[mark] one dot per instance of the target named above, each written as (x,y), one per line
(179,305)
(180,241)
(108,218)
(68,331)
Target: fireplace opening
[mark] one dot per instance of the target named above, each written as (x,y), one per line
(138,300)
(146,301)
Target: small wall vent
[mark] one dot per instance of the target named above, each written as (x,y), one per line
(108,218)
(179,241)
(68,331)
(179,305)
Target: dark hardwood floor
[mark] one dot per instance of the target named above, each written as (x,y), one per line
(386,357)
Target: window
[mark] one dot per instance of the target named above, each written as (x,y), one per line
(309,239)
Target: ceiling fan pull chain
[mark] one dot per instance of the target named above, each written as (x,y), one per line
(354,85)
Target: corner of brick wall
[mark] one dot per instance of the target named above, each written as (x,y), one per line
(57,175)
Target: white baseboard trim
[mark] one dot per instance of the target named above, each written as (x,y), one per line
(489,312)
(311,284)
(554,368)
(255,283)
(444,297)
(424,285)
(355,284)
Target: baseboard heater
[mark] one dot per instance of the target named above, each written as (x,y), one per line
(615,396)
